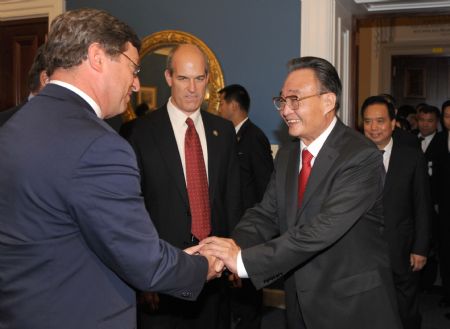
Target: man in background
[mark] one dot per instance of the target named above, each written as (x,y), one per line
(190,183)
(75,237)
(37,79)
(324,206)
(406,206)
(256,166)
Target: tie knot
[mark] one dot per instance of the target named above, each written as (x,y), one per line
(189,122)
(306,157)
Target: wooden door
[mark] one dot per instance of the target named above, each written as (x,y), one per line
(20,40)
(420,79)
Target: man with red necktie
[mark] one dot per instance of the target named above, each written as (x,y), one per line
(190,183)
(330,247)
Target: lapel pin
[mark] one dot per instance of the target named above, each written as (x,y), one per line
(215,133)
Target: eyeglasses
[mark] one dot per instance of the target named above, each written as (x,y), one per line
(293,101)
(137,68)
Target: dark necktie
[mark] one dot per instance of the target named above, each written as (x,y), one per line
(304,174)
(197,183)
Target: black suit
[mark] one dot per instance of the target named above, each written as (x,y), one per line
(255,161)
(256,166)
(332,248)
(405,137)
(443,195)
(166,198)
(407,216)
(6,114)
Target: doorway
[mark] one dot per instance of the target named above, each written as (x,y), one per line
(20,40)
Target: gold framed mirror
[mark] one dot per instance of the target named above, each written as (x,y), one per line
(154,90)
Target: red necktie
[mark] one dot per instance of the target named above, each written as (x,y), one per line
(304,174)
(197,183)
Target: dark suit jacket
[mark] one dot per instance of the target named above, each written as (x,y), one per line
(163,182)
(75,237)
(332,249)
(7,114)
(255,161)
(407,206)
(443,174)
(433,153)
(405,137)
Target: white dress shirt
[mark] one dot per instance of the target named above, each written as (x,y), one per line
(426,141)
(179,126)
(313,148)
(240,125)
(387,154)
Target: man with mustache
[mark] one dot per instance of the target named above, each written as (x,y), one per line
(161,141)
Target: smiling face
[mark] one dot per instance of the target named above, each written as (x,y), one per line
(188,79)
(314,114)
(378,126)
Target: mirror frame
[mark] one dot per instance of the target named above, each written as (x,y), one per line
(167,38)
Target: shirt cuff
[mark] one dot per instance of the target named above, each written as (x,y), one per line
(241,272)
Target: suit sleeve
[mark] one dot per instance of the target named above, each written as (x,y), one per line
(422,208)
(356,187)
(105,199)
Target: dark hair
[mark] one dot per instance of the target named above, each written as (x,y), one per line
(34,74)
(379,100)
(444,105)
(403,123)
(391,99)
(325,73)
(141,109)
(169,66)
(430,109)
(405,110)
(72,32)
(236,93)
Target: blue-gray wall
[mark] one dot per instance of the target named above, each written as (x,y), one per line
(252,39)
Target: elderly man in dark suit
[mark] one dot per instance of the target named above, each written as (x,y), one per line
(407,205)
(162,142)
(256,166)
(325,201)
(75,237)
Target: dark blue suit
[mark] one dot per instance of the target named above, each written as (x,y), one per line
(75,237)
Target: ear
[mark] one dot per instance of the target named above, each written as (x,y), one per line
(329,99)
(96,56)
(393,124)
(43,78)
(168,77)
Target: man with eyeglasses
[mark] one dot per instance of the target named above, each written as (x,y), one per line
(324,201)
(75,237)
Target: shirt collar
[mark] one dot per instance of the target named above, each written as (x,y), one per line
(316,145)
(240,124)
(388,148)
(178,117)
(82,94)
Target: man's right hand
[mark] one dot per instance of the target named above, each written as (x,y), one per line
(215,267)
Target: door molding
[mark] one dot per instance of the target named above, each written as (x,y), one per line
(24,9)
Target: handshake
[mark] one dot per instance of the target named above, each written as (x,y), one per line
(221,254)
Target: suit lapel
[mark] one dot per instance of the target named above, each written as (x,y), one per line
(213,143)
(395,164)
(165,139)
(241,133)
(322,164)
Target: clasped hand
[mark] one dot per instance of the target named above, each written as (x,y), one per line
(220,252)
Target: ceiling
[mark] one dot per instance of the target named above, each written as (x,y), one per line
(402,6)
